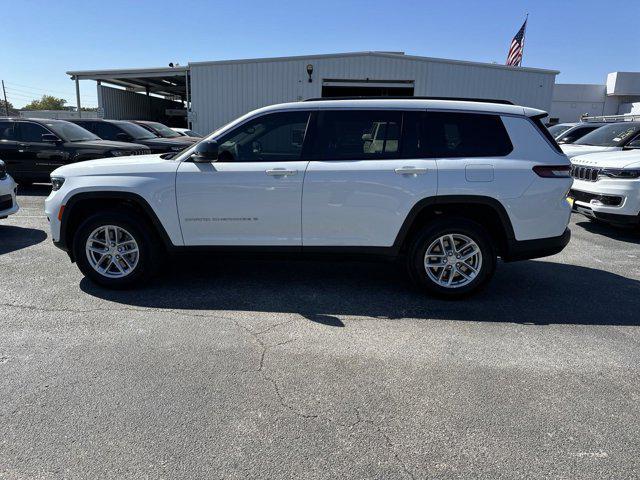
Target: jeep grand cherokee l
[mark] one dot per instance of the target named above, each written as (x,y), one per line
(33,148)
(130,132)
(449,186)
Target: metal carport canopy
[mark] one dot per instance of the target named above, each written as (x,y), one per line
(161,81)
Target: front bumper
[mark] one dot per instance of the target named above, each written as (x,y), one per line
(609,200)
(542,247)
(8,201)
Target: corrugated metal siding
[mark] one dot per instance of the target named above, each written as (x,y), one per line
(221,92)
(118,104)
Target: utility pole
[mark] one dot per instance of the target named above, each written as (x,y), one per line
(6,104)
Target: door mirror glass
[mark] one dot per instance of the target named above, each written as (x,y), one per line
(634,144)
(205,152)
(50,138)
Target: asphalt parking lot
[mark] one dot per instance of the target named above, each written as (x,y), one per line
(307,369)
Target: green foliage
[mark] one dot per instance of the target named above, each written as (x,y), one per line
(47,102)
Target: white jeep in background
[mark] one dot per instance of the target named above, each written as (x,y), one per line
(613,137)
(447,185)
(606,186)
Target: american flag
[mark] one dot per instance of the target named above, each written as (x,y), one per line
(514,57)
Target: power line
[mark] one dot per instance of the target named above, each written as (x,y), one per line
(35,88)
(45,92)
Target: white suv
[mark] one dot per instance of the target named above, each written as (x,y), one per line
(8,203)
(447,185)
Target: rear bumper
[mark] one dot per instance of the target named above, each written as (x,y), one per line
(543,247)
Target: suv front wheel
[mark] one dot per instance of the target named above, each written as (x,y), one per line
(452,258)
(114,251)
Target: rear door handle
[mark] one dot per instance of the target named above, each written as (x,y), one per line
(411,171)
(22,147)
(280,172)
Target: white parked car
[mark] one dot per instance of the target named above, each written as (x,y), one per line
(608,138)
(8,203)
(607,186)
(186,132)
(447,185)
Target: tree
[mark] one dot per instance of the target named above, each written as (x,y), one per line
(47,102)
(11,111)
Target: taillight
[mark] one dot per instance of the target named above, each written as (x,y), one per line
(553,171)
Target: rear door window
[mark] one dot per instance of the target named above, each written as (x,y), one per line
(357,134)
(106,130)
(457,134)
(7,131)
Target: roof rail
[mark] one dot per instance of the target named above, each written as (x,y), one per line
(610,118)
(459,99)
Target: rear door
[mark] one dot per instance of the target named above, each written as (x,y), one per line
(9,146)
(366,174)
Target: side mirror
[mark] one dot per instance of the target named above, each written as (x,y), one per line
(205,152)
(123,137)
(50,138)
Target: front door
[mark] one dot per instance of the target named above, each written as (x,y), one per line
(251,196)
(37,157)
(367,173)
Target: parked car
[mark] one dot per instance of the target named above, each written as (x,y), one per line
(33,148)
(449,190)
(608,138)
(571,132)
(8,203)
(186,132)
(126,131)
(163,131)
(606,186)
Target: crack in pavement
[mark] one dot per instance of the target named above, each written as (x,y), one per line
(265,348)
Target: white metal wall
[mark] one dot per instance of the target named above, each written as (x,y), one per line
(222,91)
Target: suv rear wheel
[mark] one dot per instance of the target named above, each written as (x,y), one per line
(452,258)
(114,249)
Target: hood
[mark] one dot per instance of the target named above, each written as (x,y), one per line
(109,145)
(572,150)
(618,159)
(132,165)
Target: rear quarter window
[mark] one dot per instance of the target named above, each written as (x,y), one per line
(458,134)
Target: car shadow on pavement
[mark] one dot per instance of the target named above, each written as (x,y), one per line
(16,238)
(531,292)
(623,234)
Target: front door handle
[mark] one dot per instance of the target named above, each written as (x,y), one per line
(280,172)
(22,147)
(411,171)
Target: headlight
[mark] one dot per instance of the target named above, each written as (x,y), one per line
(3,170)
(120,153)
(620,173)
(56,183)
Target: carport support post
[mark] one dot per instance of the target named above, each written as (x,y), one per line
(78,97)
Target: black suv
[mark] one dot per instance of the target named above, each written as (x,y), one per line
(33,148)
(126,131)
(161,130)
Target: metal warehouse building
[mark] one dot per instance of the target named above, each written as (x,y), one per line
(209,94)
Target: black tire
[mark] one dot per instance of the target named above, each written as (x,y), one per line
(150,252)
(455,226)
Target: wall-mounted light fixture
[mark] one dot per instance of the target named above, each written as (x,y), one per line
(310,72)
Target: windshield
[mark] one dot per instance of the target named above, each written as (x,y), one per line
(136,131)
(614,135)
(559,129)
(163,130)
(71,132)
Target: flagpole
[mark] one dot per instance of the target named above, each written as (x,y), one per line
(524,36)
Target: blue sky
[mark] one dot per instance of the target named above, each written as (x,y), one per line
(41,40)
